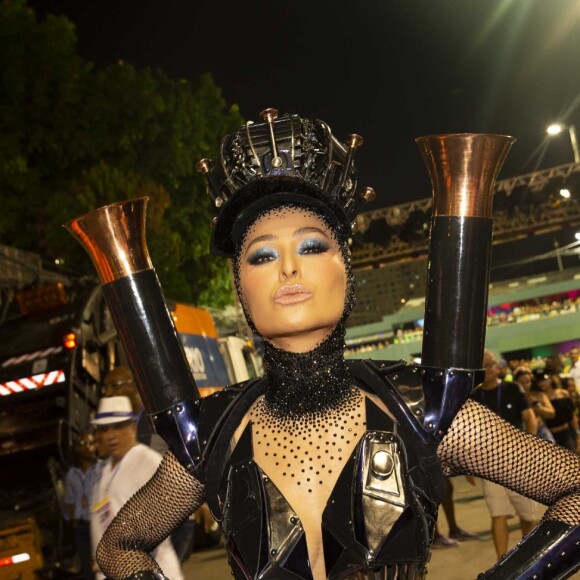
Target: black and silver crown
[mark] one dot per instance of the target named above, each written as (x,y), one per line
(282,160)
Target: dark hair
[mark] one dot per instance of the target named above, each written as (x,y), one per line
(540,375)
(553,364)
(520,372)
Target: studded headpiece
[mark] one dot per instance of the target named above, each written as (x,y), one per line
(284,160)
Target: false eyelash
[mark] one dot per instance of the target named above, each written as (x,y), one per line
(313,246)
(262,256)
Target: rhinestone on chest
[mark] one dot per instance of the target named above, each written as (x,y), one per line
(307,451)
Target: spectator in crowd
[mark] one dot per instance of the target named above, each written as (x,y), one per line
(129,466)
(554,365)
(102,452)
(574,370)
(570,385)
(79,482)
(507,400)
(120,382)
(564,424)
(539,402)
(524,312)
(456,534)
(504,370)
(514,364)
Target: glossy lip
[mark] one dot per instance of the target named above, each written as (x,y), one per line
(291,294)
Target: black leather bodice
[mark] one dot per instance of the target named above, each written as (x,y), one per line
(380,515)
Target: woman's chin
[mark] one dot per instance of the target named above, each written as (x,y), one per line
(300,341)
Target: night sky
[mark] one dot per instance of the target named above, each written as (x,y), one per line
(390,70)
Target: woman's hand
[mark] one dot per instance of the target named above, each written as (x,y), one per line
(203,516)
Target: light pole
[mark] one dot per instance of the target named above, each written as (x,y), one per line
(557,128)
(558,256)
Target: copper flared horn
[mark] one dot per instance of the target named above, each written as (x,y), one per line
(114,238)
(463,169)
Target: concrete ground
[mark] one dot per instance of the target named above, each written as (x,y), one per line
(464,562)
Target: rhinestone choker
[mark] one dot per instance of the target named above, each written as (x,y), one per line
(309,383)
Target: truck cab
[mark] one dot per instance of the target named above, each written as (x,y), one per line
(53,355)
(56,343)
(242,359)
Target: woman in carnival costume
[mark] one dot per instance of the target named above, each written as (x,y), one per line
(326,468)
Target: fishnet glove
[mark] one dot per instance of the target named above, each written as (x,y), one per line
(170,496)
(480,443)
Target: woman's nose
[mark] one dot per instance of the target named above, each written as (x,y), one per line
(289,268)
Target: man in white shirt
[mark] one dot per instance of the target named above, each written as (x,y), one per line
(129,466)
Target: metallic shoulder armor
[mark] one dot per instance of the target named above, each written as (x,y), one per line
(188,427)
(430,396)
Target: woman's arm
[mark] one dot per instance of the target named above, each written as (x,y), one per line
(571,415)
(544,407)
(574,423)
(530,421)
(171,495)
(480,443)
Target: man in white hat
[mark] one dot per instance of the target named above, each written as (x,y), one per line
(128,467)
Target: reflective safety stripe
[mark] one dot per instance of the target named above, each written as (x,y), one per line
(16,360)
(16,559)
(31,383)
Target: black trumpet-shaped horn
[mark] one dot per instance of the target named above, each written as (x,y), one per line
(463,169)
(114,238)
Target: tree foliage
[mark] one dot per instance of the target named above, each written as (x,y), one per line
(74,137)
